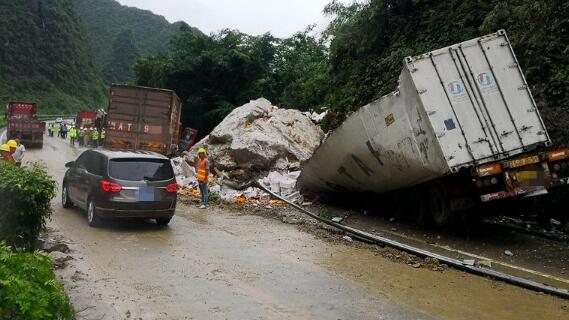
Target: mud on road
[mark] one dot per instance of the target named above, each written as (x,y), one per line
(222,264)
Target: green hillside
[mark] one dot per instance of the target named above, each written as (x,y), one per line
(45,57)
(120,34)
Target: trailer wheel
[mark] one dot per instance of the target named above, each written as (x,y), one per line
(399,206)
(439,206)
(420,208)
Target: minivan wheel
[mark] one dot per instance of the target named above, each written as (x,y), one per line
(65,201)
(163,221)
(92,217)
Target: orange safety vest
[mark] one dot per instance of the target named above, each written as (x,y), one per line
(9,158)
(202,170)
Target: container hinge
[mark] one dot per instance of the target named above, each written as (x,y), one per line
(431,113)
(481,140)
(532,110)
(513,66)
(540,133)
(506,133)
(421,91)
(504,44)
(525,128)
(440,135)
(523,87)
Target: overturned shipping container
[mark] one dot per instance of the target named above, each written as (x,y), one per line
(462,119)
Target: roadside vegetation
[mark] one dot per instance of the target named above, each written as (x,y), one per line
(359,57)
(28,289)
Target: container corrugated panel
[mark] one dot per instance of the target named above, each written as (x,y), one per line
(456,107)
(142,118)
(478,101)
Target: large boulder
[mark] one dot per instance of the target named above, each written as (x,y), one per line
(258,137)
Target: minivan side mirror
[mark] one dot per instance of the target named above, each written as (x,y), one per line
(70,164)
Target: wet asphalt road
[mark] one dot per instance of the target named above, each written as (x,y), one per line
(217,264)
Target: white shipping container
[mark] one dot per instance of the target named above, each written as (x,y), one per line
(456,107)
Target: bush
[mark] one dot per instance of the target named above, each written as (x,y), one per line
(28,290)
(26,194)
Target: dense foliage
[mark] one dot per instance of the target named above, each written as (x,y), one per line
(28,289)
(360,56)
(26,194)
(214,74)
(45,56)
(369,42)
(119,35)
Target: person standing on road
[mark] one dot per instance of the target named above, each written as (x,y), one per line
(64,131)
(102,137)
(202,169)
(72,135)
(51,129)
(95,138)
(19,153)
(7,153)
(87,137)
(81,136)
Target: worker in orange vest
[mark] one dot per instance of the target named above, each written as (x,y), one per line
(202,169)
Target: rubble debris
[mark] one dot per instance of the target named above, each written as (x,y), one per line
(50,246)
(337,219)
(469,262)
(59,259)
(347,238)
(484,263)
(258,138)
(509,253)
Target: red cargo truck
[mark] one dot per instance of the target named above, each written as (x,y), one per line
(85,119)
(141,118)
(23,123)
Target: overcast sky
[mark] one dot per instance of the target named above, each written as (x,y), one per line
(281,17)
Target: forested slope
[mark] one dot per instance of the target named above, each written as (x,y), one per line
(45,56)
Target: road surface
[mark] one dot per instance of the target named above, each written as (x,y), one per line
(219,264)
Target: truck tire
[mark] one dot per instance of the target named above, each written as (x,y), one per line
(420,212)
(439,206)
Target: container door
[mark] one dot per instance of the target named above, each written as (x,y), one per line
(503,91)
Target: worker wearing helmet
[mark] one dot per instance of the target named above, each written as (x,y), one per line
(12,144)
(6,154)
(18,155)
(202,169)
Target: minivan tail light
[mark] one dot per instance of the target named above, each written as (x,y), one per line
(172,187)
(107,186)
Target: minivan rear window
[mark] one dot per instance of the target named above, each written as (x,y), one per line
(141,169)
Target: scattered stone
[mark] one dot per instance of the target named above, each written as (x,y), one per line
(291,220)
(347,238)
(393,229)
(55,246)
(484,263)
(337,219)
(59,259)
(555,222)
(416,265)
(509,253)
(468,262)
